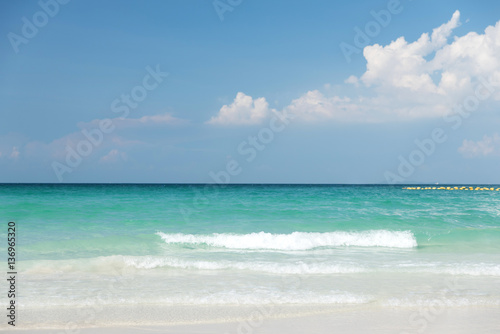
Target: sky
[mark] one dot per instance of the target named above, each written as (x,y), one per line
(238,91)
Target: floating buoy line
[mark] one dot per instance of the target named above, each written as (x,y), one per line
(454,188)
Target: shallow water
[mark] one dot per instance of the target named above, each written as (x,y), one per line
(382,246)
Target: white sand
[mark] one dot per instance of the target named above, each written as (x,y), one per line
(265,320)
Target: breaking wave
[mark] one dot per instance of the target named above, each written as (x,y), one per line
(296,240)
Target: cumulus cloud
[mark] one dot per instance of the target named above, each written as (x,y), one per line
(427,77)
(314,106)
(489,145)
(405,80)
(352,80)
(403,65)
(243,111)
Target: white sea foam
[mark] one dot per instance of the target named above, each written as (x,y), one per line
(111,265)
(296,240)
(258,296)
(482,269)
(117,264)
(150,262)
(444,301)
(268,296)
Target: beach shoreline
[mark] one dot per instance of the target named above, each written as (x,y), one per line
(359,259)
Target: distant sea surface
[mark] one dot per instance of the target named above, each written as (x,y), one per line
(253,244)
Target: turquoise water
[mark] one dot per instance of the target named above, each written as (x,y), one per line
(254,244)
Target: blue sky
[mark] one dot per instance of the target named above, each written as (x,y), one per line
(256,91)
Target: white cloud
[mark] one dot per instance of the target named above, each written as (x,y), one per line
(429,76)
(314,106)
(114,156)
(405,81)
(243,111)
(144,121)
(352,80)
(57,149)
(159,119)
(12,144)
(15,153)
(402,65)
(489,145)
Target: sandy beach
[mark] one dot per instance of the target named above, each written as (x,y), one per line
(268,319)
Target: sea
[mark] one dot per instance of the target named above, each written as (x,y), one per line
(183,245)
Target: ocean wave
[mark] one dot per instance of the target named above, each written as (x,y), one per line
(267,267)
(470,270)
(119,264)
(296,240)
(444,301)
(299,267)
(258,296)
